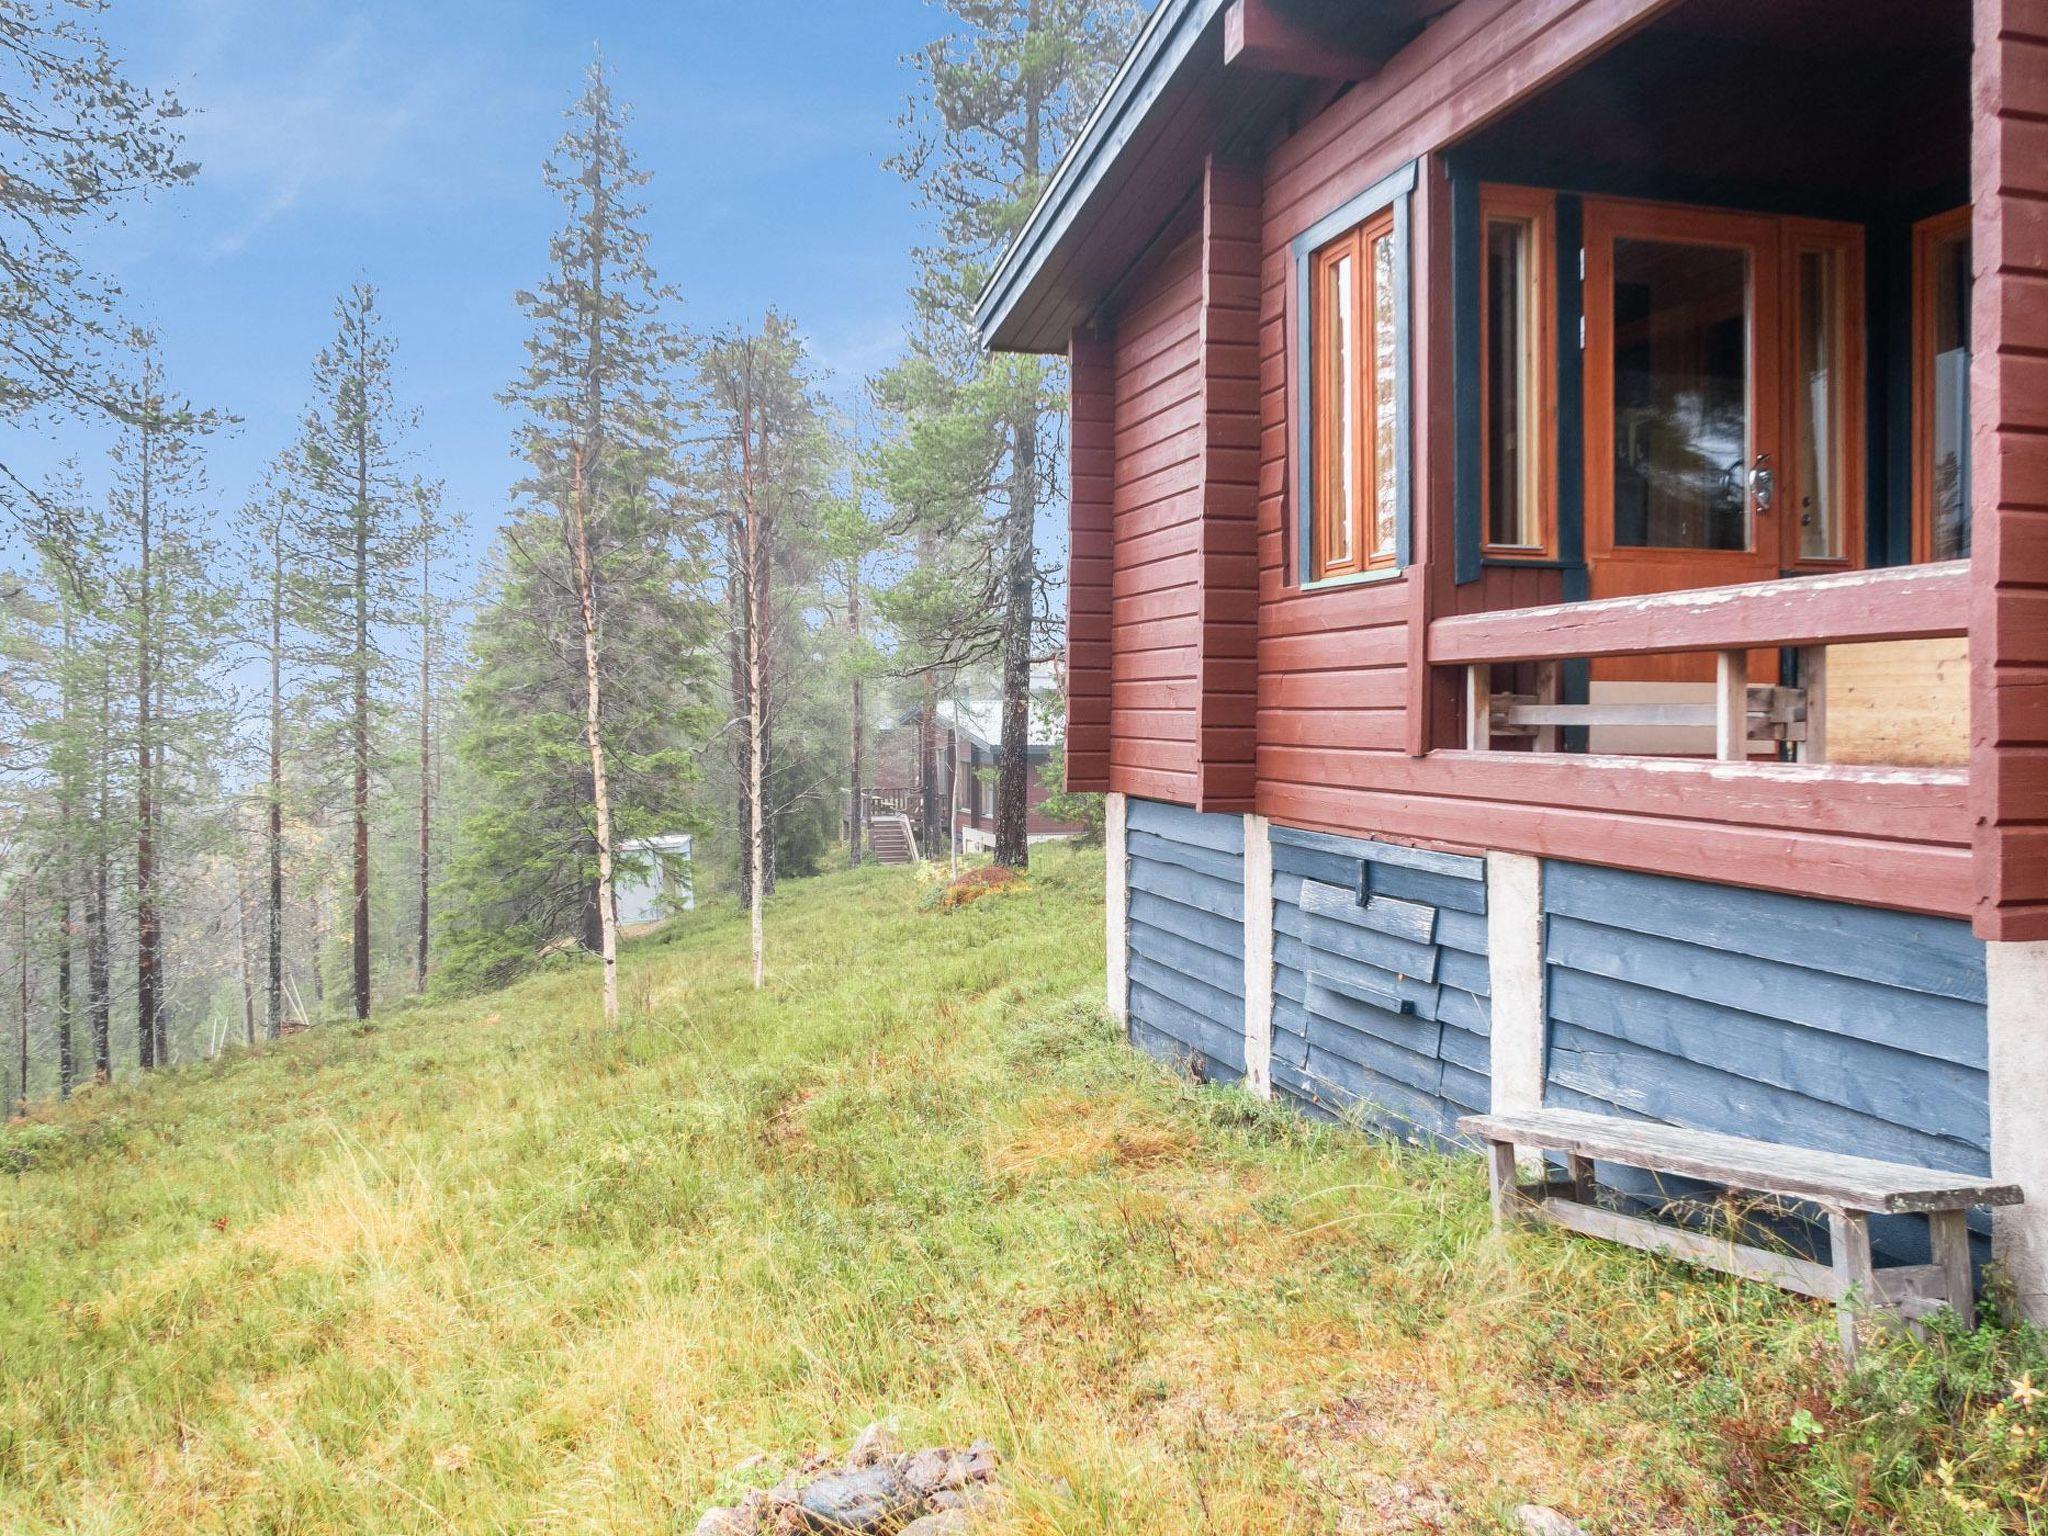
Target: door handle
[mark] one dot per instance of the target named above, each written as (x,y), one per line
(1762,482)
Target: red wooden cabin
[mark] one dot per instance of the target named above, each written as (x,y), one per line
(1572,475)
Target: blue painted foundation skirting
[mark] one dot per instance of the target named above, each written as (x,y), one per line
(1814,1023)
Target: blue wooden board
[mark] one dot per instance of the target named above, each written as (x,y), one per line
(1174,1020)
(1436,890)
(1179,957)
(1920,1022)
(1457,866)
(1167,1048)
(1150,846)
(1177,823)
(1188,888)
(1222,935)
(1223,1009)
(1892,949)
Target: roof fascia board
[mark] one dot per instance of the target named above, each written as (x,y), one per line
(1162,47)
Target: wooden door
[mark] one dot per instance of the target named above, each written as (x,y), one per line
(1684,374)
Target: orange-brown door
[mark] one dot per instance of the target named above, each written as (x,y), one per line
(1684,373)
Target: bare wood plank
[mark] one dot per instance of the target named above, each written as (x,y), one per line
(1897,603)
(1949,1233)
(1813,678)
(1479,708)
(1731,706)
(1780,1269)
(1855,1183)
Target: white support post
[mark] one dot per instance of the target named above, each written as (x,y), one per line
(1258,956)
(1514,953)
(1116,903)
(1731,707)
(2017,1013)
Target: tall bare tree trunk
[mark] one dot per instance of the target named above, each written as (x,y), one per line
(148,939)
(360,729)
(21,1022)
(751,639)
(858,794)
(426,743)
(242,946)
(600,792)
(67,861)
(273,831)
(98,944)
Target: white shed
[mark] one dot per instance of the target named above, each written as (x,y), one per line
(661,885)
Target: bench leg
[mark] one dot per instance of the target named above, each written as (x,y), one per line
(1502,1179)
(1949,1234)
(1850,1234)
(1579,1170)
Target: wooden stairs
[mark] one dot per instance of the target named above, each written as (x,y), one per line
(892,840)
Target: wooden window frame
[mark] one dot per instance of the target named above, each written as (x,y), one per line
(1377,216)
(1928,235)
(1845,243)
(1537,209)
(1356,518)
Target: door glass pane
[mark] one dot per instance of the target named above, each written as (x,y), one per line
(1817,406)
(1951,399)
(1385,401)
(1510,397)
(1681,396)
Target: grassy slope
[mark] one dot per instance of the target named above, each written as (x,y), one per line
(492,1267)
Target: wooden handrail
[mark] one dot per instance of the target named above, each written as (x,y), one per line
(1909,602)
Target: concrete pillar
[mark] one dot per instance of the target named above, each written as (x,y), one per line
(1514,951)
(1116,901)
(2017,998)
(1258,956)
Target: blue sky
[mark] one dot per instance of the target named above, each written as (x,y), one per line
(402,142)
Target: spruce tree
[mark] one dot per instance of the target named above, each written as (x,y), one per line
(354,539)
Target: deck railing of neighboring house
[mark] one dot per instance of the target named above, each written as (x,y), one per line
(1803,614)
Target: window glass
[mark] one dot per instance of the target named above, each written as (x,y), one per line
(1511,429)
(1385,401)
(1949,398)
(1342,382)
(1817,405)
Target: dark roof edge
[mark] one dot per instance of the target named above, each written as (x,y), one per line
(1163,45)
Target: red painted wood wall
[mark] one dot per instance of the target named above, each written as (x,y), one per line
(1091,453)
(2009,468)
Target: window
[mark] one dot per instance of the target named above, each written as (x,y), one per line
(1941,387)
(1518,361)
(1825,482)
(1357,427)
(1352,360)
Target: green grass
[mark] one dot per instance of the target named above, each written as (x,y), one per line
(493,1267)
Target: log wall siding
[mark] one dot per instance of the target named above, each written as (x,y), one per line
(1186,959)
(1227,697)
(2009,468)
(1091,455)
(1380,982)
(1156,621)
(1351,724)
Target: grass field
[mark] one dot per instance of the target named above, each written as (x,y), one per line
(493,1267)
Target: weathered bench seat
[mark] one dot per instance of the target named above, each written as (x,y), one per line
(1849,1190)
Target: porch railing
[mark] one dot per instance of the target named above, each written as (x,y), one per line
(1803,614)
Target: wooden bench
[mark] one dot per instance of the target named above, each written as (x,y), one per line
(1850,1190)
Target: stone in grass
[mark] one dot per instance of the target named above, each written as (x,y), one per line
(1542,1520)
(867,1499)
(947,1522)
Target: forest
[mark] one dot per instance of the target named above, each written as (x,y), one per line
(272,755)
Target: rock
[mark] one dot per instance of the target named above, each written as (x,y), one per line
(725,1522)
(979,1464)
(874,1444)
(1542,1520)
(970,1496)
(950,1522)
(869,1499)
(929,1471)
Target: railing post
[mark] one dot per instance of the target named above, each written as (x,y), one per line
(1479,707)
(1546,693)
(1731,707)
(1813,678)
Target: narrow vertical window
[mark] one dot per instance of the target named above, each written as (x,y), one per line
(1355,411)
(1941,387)
(1820,382)
(1517,363)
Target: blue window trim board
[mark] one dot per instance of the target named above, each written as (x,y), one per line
(1392,191)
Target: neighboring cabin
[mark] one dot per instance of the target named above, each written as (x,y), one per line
(1559,587)
(656,879)
(966,743)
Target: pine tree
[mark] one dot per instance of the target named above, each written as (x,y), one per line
(998,104)
(354,541)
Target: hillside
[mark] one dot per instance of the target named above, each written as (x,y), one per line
(492,1267)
